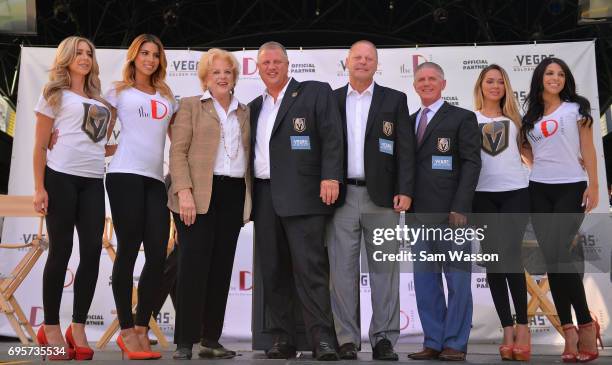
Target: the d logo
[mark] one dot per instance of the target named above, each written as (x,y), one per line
(158,109)
(549,127)
(246,63)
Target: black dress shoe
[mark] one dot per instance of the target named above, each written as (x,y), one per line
(384,351)
(348,351)
(281,349)
(325,352)
(214,350)
(182,353)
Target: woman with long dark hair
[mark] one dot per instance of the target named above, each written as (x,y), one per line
(502,203)
(69,189)
(145,107)
(558,127)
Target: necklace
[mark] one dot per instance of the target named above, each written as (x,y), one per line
(232,156)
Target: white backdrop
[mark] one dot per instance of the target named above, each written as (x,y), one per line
(461,65)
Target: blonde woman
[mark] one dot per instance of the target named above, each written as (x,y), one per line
(502,198)
(145,107)
(68,183)
(210,200)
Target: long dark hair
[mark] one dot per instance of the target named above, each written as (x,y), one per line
(535,103)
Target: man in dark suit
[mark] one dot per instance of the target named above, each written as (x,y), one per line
(379,163)
(297,163)
(448,166)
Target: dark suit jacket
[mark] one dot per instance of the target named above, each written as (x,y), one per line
(308,109)
(386,174)
(453,132)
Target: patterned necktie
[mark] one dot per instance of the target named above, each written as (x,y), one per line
(422,126)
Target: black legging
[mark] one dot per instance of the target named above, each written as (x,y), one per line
(505,237)
(73,201)
(138,206)
(555,234)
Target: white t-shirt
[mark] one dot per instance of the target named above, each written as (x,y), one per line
(82,125)
(144,124)
(555,142)
(502,168)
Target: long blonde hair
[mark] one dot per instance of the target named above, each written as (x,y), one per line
(158,78)
(59,75)
(508,103)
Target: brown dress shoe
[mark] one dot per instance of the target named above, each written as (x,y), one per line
(425,354)
(449,354)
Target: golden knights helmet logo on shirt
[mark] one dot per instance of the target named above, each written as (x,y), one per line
(95,121)
(495,136)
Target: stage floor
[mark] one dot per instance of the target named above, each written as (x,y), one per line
(478,354)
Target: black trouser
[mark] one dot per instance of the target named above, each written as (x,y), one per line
(292,257)
(206,252)
(73,201)
(555,234)
(138,205)
(504,237)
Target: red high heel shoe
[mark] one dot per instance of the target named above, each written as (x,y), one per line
(80,353)
(131,355)
(42,342)
(585,356)
(522,352)
(568,356)
(505,351)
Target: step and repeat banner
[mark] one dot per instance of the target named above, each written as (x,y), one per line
(396,70)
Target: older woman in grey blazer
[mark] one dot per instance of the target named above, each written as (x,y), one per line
(210,201)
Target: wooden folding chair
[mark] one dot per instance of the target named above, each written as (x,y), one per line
(539,296)
(114,326)
(20,206)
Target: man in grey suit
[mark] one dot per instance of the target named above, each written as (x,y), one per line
(448,166)
(379,168)
(296,137)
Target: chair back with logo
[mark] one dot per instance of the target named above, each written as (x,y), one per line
(20,206)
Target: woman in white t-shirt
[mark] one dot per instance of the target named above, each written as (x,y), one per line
(68,183)
(558,128)
(501,202)
(145,107)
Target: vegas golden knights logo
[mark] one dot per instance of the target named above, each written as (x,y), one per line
(95,121)
(299,124)
(495,136)
(387,128)
(443,144)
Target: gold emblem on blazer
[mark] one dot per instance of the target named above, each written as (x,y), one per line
(299,124)
(495,136)
(387,128)
(443,144)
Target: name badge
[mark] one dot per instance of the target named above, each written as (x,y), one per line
(300,142)
(442,162)
(385,146)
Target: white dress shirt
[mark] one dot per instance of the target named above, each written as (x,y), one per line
(231,159)
(265,123)
(433,109)
(357,110)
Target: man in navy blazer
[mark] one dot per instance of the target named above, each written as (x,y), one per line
(296,140)
(448,166)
